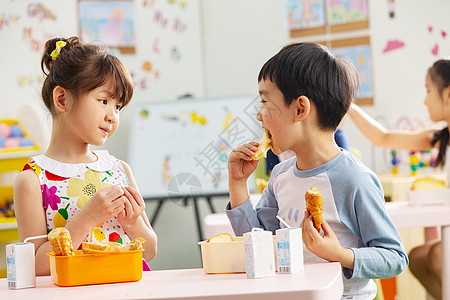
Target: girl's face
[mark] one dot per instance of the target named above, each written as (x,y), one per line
(274,115)
(96,116)
(434,102)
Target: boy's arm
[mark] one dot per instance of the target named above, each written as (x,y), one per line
(244,217)
(382,254)
(395,139)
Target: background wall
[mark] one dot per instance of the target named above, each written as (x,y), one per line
(221,48)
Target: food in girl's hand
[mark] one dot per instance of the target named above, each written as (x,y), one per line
(223,237)
(60,241)
(314,205)
(135,244)
(428,183)
(264,145)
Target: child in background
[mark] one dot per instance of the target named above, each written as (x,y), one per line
(425,260)
(91,193)
(310,91)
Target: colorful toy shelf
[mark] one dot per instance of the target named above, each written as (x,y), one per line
(16,146)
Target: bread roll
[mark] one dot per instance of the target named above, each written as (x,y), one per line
(314,204)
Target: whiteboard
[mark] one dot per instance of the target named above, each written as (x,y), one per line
(180,148)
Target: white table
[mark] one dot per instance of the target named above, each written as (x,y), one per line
(404,215)
(317,282)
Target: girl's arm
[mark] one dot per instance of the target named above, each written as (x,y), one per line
(142,227)
(30,215)
(395,139)
(31,219)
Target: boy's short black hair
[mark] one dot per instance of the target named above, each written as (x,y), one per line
(308,69)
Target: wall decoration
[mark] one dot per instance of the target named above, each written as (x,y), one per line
(393,45)
(40,11)
(391,8)
(312,17)
(346,11)
(307,14)
(358,51)
(112,22)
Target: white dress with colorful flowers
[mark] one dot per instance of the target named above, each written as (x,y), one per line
(66,188)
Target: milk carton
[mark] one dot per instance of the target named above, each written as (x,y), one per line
(289,250)
(259,254)
(20,265)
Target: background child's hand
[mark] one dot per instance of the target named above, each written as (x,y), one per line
(104,205)
(240,164)
(134,206)
(327,246)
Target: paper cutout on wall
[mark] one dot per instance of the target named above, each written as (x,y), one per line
(147,66)
(391,8)
(175,53)
(40,11)
(160,19)
(441,34)
(435,50)
(8,20)
(147,3)
(26,32)
(178,25)
(393,45)
(29,80)
(183,4)
(155,46)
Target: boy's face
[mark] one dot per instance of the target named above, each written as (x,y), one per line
(275,116)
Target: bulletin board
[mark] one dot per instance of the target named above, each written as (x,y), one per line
(309,17)
(359,52)
(180,148)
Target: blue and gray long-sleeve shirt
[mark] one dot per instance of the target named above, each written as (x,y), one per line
(354,207)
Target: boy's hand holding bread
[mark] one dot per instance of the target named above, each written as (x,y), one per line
(327,246)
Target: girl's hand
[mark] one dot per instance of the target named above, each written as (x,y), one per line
(134,207)
(240,164)
(327,246)
(104,205)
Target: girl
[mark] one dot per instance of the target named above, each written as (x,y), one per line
(425,260)
(91,193)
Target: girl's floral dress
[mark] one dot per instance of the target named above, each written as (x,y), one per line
(66,188)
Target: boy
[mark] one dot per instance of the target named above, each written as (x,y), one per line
(305,92)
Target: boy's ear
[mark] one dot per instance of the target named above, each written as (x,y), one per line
(302,108)
(60,98)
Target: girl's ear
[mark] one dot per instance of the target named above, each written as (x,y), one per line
(60,98)
(302,108)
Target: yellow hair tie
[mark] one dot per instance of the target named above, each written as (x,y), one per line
(55,53)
